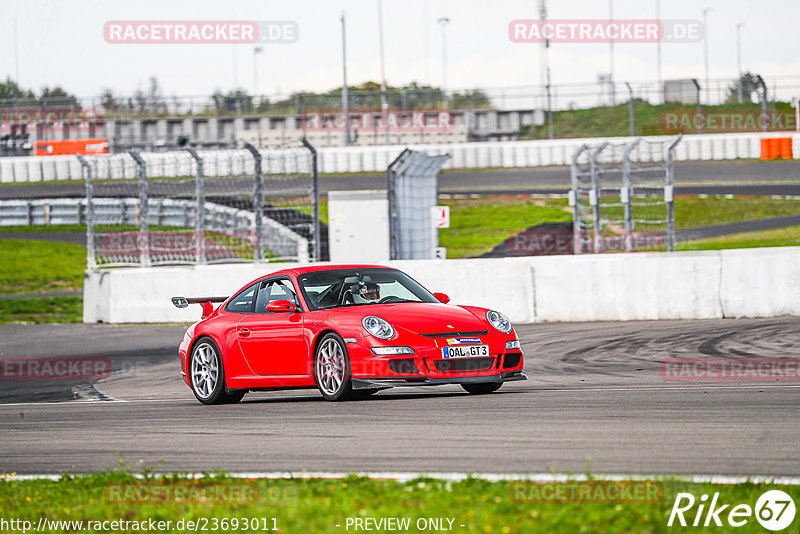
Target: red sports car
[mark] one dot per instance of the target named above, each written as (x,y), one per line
(349,330)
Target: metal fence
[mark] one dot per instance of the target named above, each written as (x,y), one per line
(411,185)
(622,196)
(190,207)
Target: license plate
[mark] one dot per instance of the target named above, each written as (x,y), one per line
(465,351)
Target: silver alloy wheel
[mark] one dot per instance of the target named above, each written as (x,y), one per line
(330,366)
(205,371)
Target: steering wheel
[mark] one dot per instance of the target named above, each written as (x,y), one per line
(390,297)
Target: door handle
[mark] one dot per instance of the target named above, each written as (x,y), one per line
(244,332)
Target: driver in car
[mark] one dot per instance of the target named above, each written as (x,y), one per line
(369,291)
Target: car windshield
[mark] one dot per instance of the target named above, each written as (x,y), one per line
(359,287)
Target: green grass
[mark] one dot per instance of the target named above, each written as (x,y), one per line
(323,211)
(41,310)
(694,211)
(782,237)
(318,506)
(48,228)
(40,266)
(478,224)
(612,121)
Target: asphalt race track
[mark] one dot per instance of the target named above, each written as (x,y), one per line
(745,177)
(595,395)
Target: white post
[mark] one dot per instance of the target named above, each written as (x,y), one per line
(443,21)
(705,46)
(659,89)
(345,95)
(384,96)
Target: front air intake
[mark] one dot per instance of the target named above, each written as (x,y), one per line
(461,365)
(404,366)
(511,360)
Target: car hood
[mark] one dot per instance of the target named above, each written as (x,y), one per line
(424,317)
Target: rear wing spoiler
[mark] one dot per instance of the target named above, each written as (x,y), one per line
(182,302)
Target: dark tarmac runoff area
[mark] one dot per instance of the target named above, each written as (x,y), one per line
(597,393)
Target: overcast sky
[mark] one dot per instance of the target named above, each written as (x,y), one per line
(61,43)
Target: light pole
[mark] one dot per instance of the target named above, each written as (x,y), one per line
(739,59)
(384,99)
(764,115)
(16,54)
(443,22)
(546,70)
(658,54)
(345,94)
(699,117)
(235,68)
(257,50)
(631,119)
(705,43)
(611,55)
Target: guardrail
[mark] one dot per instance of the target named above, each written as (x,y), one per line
(167,212)
(502,154)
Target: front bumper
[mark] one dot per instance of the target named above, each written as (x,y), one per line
(392,382)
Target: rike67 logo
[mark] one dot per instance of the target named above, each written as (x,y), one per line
(774,510)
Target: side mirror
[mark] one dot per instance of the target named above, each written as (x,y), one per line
(281,306)
(441,297)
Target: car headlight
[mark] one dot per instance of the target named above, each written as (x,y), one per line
(514,344)
(499,321)
(391,351)
(378,327)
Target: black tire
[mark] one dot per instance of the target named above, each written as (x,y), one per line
(331,361)
(206,355)
(481,388)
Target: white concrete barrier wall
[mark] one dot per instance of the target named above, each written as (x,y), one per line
(616,287)
(760,286)
(621,287)
(505,154)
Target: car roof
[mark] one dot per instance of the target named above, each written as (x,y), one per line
(296,271)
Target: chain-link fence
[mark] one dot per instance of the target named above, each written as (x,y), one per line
(197,207)
(412,187)
(622,196)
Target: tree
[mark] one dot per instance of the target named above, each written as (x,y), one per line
(749,84)
(410,96)
(109,101)
(475,99)
(58,97)
(10,89)
(150,102)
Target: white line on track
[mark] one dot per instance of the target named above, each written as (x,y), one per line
(677,388)
(527,389)
(407,476)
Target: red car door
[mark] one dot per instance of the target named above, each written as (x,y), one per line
(272,342)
